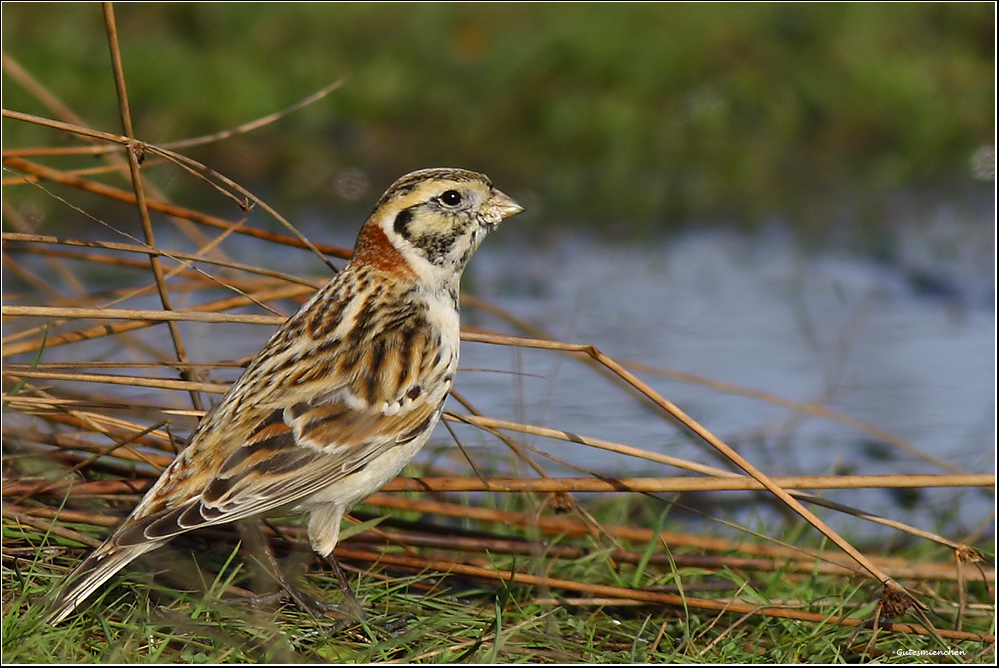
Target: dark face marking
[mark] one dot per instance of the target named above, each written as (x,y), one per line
(401,224)
(437,246)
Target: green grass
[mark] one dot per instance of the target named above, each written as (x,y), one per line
(437,618)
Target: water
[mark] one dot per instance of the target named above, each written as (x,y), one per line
(860,338)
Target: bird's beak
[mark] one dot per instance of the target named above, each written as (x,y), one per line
(501,206)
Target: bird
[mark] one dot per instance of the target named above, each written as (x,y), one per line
(339,399)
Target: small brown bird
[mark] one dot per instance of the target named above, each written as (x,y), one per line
(343,395)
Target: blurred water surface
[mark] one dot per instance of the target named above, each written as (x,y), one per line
(907,347)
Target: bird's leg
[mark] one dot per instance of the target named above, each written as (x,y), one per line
(257,543)
(353,606)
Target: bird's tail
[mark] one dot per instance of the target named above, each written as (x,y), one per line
(104,562)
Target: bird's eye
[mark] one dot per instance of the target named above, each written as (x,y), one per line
(451,198)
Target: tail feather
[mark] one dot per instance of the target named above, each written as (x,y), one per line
(95,570)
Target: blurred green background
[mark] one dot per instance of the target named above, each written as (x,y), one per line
(633,117)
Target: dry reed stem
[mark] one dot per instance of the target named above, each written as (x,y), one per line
(133,156)
(199,313)
(612,484)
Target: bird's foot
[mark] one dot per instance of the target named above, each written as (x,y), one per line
(349,611)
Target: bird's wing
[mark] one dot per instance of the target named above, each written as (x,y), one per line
(281,464)
(310,428)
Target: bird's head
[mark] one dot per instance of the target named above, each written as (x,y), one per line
(429,222)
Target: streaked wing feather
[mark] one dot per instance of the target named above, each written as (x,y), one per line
(274,469)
